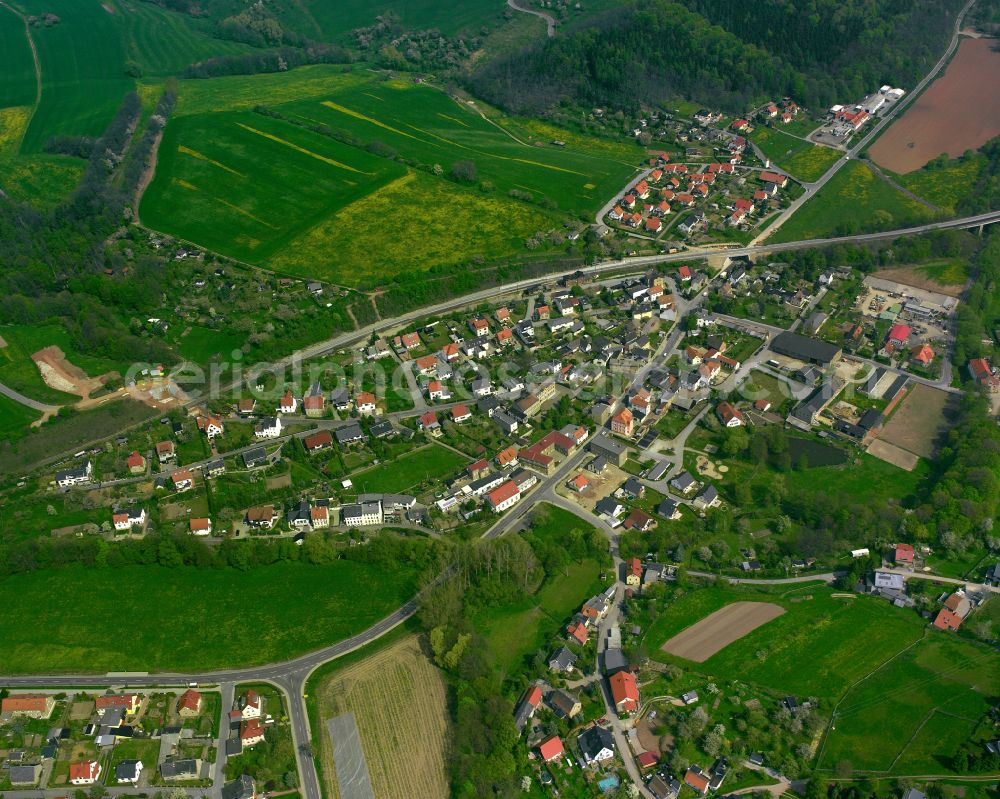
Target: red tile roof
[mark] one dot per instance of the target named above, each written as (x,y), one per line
(551,748)
(624,690)
(946,620)
(189,700)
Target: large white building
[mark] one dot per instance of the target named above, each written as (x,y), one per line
(362,514)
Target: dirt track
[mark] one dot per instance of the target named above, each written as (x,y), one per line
(716,631)
(958,112)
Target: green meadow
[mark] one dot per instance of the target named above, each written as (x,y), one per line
(17,69)
(321,18)
(804,160)
(273,191)
(247,185)
(914,712)
(199,619)
(403,473)
(14,418)
(854,200)
(82,61)
(840,638)
(165,42)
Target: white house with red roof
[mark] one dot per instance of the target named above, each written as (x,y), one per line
(251,732)
(288,403)
(503,496)
(211,426)
(200,526)
(251,705)
(551,749)
(729,415)
(365,403)
(479,326)
(84,772)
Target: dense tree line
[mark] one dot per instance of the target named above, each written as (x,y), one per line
(52,262)
(723,54)
(141,156)
(175,551)
(75,146)
(984,194)
(481,575)
(275,60)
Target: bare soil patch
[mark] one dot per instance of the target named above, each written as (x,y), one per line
(281,481)
(890,453)
(957,113)
(918,424)
(718,630)
(650,741)
(913,276)
(3,342)
(398,699)
(60,374)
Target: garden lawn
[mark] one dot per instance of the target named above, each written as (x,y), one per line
(912,714)
(82,61)
(189,619)
(420,466)
(854,200)
(840,639)
(802,159)
(869,480)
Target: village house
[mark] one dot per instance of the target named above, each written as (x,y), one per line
(288,403)
(32,706)
(503,496)
(127,518)
(136,463)
(84,772)
(622,422)
(165,451)
(182,479)
(261,517)
(729,415)
(268,427)
(211,426)
(320,440)
(364,403)
(189,704)
(624,691)
(597,745)
(75,476)
(200,526)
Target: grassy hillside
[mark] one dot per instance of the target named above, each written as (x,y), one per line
(82,61)
(164,42)
(202,619)
(17,69)
(855,200)
(283,189)
(798,157)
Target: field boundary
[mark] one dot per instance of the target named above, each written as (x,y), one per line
(37,63)
(833,712)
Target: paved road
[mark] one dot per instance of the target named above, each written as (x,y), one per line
(935,578)
(550,23)
(18,397)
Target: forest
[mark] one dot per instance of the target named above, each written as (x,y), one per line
(723,54)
